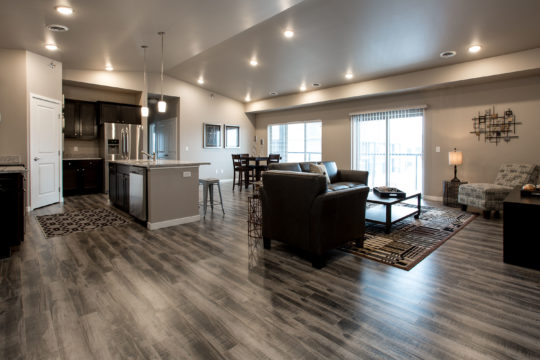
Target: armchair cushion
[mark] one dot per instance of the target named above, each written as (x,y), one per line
(513,175)
(483,196)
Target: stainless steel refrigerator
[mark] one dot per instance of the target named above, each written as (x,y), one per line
(120,142)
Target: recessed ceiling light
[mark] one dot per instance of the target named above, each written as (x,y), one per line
(109,67)
(200,80)
(64,10)
(316,84)
(253,62)
(247,98)
(447,54)
(349,75)
(57,28)
(288,33)
(475,48)
(273,93)
(303,88)
(51,47)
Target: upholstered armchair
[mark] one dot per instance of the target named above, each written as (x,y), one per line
(488,197)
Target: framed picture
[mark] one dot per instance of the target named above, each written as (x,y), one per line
(211,136)
(232,136)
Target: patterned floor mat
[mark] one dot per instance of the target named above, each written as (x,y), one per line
(78,221)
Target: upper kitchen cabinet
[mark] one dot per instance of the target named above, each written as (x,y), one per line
(80,120)
(119,113)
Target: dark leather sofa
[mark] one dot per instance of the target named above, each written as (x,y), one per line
(299,208)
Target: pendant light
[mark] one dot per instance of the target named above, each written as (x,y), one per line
(144,108)
(162,105)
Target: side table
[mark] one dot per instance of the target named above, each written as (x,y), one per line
(450,192)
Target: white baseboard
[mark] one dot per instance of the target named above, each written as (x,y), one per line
(433,198)
(172,222)
(225,180)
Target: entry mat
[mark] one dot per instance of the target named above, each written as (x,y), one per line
(411,240)
(78,221)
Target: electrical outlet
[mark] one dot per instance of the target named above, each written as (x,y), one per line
(187,174)
(187,148)
(75,148)
(437,149)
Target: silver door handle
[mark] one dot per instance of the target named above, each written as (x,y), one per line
(36,158)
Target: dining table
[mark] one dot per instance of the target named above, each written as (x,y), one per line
(259,163)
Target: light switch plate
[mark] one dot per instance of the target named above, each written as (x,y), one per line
(437,149)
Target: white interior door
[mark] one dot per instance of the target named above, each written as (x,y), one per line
(165,138)
(45,135)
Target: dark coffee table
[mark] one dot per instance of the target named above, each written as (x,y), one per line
(383,213)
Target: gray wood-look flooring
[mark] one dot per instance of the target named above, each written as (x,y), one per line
(203,291)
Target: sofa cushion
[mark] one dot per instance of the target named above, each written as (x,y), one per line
(332,170)
(285,167)
(344,185)
(319,169)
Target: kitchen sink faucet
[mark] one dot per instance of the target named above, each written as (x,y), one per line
(153,156)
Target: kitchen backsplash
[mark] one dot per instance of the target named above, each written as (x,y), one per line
(10,159)
(80,148)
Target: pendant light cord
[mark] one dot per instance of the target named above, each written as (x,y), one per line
(162,33)
(145,94)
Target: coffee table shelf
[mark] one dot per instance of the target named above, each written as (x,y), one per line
(384,213)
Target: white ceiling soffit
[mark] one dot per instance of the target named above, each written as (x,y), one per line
(371,38)
(112,31)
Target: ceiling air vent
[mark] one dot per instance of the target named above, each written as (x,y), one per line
(448,54)
(273,93)
(316,84)
(57,28)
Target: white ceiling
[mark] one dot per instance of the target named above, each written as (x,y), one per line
(217,38)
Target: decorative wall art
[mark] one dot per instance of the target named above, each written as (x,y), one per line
(211,136)
(495,127)
(232,136)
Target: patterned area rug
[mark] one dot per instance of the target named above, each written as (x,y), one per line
(411,240)
(78,221)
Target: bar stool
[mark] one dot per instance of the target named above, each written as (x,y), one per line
(208,188)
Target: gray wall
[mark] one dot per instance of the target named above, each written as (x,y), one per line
(13,103)
(447,124)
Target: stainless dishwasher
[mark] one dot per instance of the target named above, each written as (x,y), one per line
(137,193)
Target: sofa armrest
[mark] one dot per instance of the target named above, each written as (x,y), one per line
(337,217)
(287,198)
(358,176)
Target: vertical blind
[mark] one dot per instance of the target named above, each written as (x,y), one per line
(389,144)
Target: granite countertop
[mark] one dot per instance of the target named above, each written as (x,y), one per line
(81,157)
(12,170)
(149,164)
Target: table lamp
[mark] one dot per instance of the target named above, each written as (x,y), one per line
(455,158)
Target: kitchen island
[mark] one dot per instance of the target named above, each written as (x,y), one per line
(160,193)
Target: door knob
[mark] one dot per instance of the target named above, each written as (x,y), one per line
(36,158)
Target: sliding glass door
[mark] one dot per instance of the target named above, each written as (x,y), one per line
(389,145)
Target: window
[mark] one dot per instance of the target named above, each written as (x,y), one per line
(296,142)
(389,145)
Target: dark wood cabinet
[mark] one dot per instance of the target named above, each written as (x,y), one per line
(119,186)
(80,119)
(520,230)
(82,177)
(11,212)
(119,113)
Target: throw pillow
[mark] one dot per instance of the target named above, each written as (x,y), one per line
(319,169)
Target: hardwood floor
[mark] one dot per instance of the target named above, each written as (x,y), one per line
(203,291)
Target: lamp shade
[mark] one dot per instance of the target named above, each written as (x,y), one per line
(455,157)
(162,106)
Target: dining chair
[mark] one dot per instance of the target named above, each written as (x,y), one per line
(273,158)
